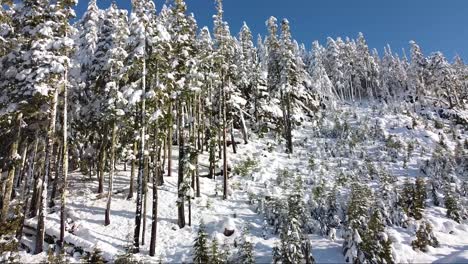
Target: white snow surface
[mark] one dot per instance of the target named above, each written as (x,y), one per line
(174,245)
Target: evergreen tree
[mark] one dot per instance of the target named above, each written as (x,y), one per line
(246,250)
(215,256)
(200,247)
(424,237)
(452,205)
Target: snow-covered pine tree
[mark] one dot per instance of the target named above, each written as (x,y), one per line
(376,245)
(321,84)
(442,81)
(63,12)
(136,71)
(289,79)
(295,245)
(424,237)
(182,29)
(201,253)
(246,249)
(39,72)
(333,66)
(357,213)
(417,74)
(226,70)
(452,204)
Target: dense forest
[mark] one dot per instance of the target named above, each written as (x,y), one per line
(120,91)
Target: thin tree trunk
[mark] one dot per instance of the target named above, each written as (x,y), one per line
(156,172)
(132,172)
(233,140)
(25,193)
(111,174)
(64,164)
(102,166)
(244,127)
(11,170)
(58,161)
(288,125)
(43,199)
(169,142)
(225,173)
(23,163)
(141,174)
(145,199)
(180,179)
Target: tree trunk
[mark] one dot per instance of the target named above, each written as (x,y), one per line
(180,179)
(58,161)
(43,199)
(156,172)
(288,124)
(25,193)
(233,141)
(111,174)
(64,164)
(102,167)
(11,170)
(132,172)
(141,165)
(169,142)
(244,127)
(145,200)
(23,163)
(225,173)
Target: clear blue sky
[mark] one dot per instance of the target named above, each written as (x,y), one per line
(433,24)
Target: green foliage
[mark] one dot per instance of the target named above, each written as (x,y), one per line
(438,124)
(200,247)
(284,177)
(8,241)
(375,243)
(56,258)
(246,167)
(311,163)
(413,198)
(95,257)
(393,143)
(246,255)
(126,258)
(215,257)
(424,237)
(358,205)
(452,205)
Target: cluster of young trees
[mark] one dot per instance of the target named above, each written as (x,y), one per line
(154,80)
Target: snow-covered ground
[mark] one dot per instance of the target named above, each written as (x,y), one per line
(174,245)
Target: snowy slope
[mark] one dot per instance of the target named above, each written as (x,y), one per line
(175,246)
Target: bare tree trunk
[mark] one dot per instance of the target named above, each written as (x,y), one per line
(64,164)
(11,170)
(43,199)
(102,166)
(111,174)
(156,172)
(225,172)
(180,179)
(244,127)
(141,173)
(169,142)
(145,198)
(233,140)
(132,172)
(288,122)
(58,161)
(23,163)
(25,193)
